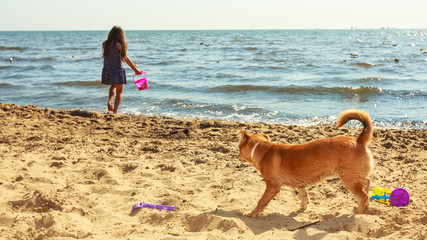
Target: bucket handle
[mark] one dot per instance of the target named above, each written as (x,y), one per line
(141,74)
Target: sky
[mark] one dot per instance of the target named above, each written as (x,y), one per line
(18,15)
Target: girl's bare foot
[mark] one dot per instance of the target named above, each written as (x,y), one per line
(110,106)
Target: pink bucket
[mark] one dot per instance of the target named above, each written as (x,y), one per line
(141,83)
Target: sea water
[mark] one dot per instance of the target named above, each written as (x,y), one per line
(302,77)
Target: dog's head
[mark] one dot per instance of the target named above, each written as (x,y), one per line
(247,143)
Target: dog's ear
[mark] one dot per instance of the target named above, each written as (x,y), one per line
(268,138)
(243,136)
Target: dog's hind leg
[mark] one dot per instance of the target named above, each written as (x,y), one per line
(366,183)
(359,187)
(302,195)
(362,195)
(270,191)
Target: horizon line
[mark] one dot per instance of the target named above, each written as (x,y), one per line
(236,29)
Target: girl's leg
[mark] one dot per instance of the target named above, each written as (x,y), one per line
(119,93)
(111,94)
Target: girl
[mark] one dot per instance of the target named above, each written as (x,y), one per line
(113,73)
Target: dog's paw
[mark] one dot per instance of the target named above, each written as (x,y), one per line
(252,214)
(301,209)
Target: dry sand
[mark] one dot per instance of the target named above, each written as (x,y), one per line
(75,174)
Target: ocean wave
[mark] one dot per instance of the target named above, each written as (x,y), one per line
(235,112)
(240,39)
(12,48)
(78,83)
(28,68)
(318,90)
(321,120)
(251,48)
(6,85)
(227,76)
(47,67)
(77,48)
(238,88)
(415,93)
(15,76)
(42,59)
(362,64)
(188,109)
(84,48)
(160,63)
(21,59)
(32,68)
(259,60)
(371,79)
(401,124)
(357,90)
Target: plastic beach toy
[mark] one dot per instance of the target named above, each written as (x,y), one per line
(141,83)
(381,195)
(399,197)
(154,206)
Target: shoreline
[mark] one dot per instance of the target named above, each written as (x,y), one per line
(301,122)
(77,174)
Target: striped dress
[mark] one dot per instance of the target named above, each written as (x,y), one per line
(113,72)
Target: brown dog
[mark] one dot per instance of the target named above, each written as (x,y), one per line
(298,166)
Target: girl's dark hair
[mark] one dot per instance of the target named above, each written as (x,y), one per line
(116,35)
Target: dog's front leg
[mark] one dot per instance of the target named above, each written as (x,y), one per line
(271,190)
(302,194)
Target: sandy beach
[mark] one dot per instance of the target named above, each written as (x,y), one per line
(69,174)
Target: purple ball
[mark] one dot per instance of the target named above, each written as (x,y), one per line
(399,197)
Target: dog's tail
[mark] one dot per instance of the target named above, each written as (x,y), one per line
(365,137)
